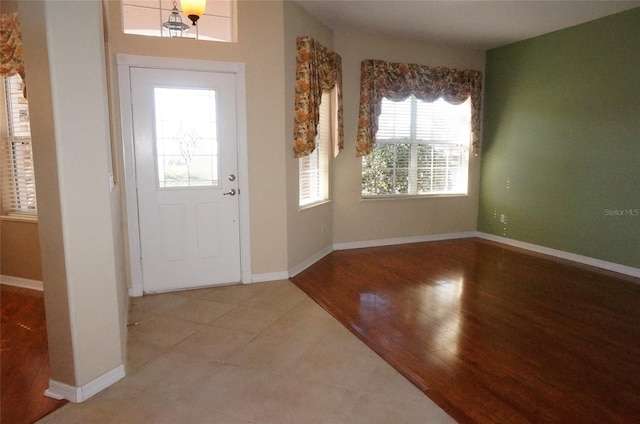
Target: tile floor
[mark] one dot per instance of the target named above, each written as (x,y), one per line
(258,353)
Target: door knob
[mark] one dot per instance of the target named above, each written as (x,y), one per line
(231,192)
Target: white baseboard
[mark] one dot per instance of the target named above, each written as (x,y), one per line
(586,260)
(375,243)
(598,263)
(74,394)
(269,276)
(402,240)
(246,276)
(25,283)
(136,290)
(310,261)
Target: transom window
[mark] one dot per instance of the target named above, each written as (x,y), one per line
(422,148)
(18,180)
(145,17)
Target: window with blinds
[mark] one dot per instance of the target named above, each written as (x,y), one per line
(18,182)
(422,148)
(314,168)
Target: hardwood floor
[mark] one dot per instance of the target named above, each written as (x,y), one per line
(24,358)
(490,333)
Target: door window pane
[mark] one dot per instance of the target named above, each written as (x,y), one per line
(186,137)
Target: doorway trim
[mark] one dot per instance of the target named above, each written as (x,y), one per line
(125,63)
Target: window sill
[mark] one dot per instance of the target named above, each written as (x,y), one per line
(313,205)
(19,218)
(412,196)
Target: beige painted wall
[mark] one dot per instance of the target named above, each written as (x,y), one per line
(19,244)
(348,218)
(118,214)
(61,358)
(305,237)
(355,219)
(20,249)
(68,105)
(259,46)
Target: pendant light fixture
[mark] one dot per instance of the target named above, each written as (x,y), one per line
(193,9)
(174,24)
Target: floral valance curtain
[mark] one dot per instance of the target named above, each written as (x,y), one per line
(397,81)
(11,61)
(317,69)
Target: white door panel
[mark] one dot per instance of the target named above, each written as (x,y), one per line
(184,126)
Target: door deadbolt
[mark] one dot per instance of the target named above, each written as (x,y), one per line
(232,177)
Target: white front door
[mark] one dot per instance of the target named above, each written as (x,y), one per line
(184,130)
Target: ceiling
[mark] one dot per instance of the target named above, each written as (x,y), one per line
(475,24)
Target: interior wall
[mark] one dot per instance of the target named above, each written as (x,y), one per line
(309,231)
(19,244)
(61,357)
(117,198)
(68,105)
(356,219)
(20,249)
(561,148)
(260,39)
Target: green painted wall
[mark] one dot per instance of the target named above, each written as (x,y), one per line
(561,140)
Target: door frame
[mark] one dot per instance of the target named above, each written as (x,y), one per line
(131,224)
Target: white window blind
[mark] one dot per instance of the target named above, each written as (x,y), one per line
(18,182)
(422,148)
(314,168)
